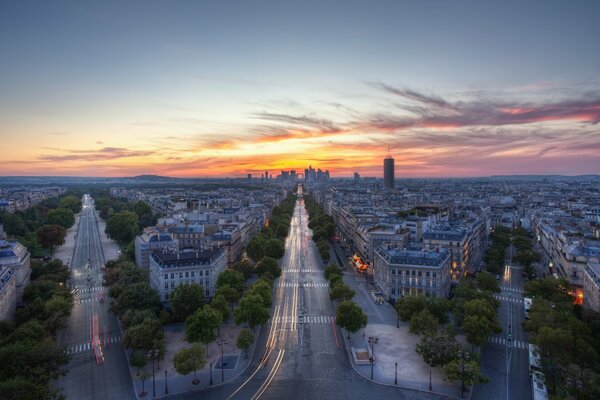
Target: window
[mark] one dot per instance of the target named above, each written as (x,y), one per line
(407,281)
(393,272)
(166,276)
(181,274)
(414,272)
(172,275)
(193,273)
(207,281)
(434,283)
(172,284)
(434,274)
(420,273)
(166,296)
(166,286)
(427,273)
(406,272)
(394,292)
(187,274)
(200,273)
(207,293)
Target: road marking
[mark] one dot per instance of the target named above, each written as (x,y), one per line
(92,289)
(88,346)
(308,319)
(303,270)
(511,289)
(508,299)
(306,284)
(502,341)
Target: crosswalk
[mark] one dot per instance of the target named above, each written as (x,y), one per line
(508,299)
(306,284)
(92,289)
(88,346)
(511,289)
(502,341)
(292,271)
(307,319)
(86,300)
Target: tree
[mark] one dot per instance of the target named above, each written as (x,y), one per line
(245,340)
(138,360)
(122,226)
(50,236)
(464,371)
(144,213)
(61,216)
(274,249)
(186,299)
(270,265)
(245,267)
(190,360)
(332,269)
(264,289)
(423,323)
(144,336)
(252,310)
(256,248)
(438,348)
(230,294)
(143,374)
(350,316)
(408,306)
(200,326)
(137,296)
(477,328)
(231,278)
(220,303)
(341,292)
(70,202)
(486,281)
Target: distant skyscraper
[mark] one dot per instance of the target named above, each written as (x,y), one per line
(356,177)
(388,172)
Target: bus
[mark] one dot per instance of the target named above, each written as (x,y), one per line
(538,386)
(527,302)
(535,360)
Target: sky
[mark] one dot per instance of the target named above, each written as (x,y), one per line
(227,88)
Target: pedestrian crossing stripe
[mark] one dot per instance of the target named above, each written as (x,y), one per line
(511,289)
(86,300)
(88,346)
(307,319)
(509,299)
(514,343)
(307,284)
(92,289)
(292,271)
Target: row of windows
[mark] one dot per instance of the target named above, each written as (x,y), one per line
(198,281)
(414,282)
(412,292)
(187,274)
(414,273)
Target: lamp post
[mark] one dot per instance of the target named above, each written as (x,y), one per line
(372,342)
(221,342)
(396,375)
(210,373)
(463,356)
(166,383)
(152,355)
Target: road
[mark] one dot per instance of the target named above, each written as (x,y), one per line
(100,371)
(501,357)
(301,360)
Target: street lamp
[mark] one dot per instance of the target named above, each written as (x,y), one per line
(463,356)
(211,374)
(152,355)
(396,375)
(372,342)
(166,383)
(221,342)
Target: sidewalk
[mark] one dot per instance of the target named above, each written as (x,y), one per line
(395,345)
(65,252)
(235,364)
(109,247)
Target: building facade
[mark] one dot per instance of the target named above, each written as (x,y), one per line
(407,272)
(591,286)
(14,255)
(152,239)
(169,269)
(8,293)
(388,172)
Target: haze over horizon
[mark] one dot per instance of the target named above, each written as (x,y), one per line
(190,89)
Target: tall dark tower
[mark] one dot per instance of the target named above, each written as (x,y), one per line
(388,172)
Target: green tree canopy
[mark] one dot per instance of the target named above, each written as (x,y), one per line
(221,304)
(61,216)
(51,236)
(341,292)
(423,323)
(189,360)
(144,336)
(438,348)
(70,202)
(408,306)
(270,265)
(350,316)
(264,289)
(231,278)
(274,249)
(252,310)
(201,326)
(245,340)
(186,299)
(122,226)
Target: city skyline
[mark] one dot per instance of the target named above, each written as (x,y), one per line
(213,90)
